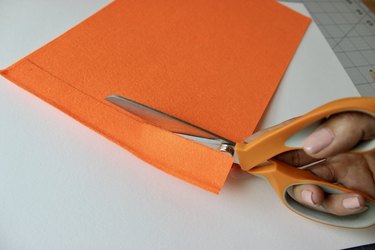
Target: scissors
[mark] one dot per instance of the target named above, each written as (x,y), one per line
(256,157)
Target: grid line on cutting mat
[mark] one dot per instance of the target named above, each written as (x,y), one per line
(349,27)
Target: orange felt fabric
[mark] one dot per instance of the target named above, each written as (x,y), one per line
(213,63)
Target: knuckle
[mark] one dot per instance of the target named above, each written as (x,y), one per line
(353,124)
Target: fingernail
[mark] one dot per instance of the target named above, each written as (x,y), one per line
(318,140)
(307,197)
(351,203)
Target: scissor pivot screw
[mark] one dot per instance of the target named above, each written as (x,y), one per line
(227,149)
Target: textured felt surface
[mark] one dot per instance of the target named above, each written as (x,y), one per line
(213,63)
(176,155)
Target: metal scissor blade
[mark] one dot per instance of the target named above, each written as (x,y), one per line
(215,144)
(168,122)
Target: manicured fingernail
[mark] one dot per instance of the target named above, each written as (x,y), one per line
(351,203)
(307,197)
(318,140)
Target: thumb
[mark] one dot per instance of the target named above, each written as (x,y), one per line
(339,134)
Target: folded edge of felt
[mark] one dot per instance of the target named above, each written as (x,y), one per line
(180,157)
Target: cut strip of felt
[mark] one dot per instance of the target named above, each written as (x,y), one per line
(212,63)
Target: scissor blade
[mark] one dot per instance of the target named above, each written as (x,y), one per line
(167,122)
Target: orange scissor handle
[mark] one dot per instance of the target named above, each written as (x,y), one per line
(290,136)
(283,177)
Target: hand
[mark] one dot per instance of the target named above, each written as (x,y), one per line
(330,141)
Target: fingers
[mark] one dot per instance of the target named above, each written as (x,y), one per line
(354,171)
(351,170)
(339,134)
(337,204)
(296,158)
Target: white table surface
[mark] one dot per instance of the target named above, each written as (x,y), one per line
(62,186)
